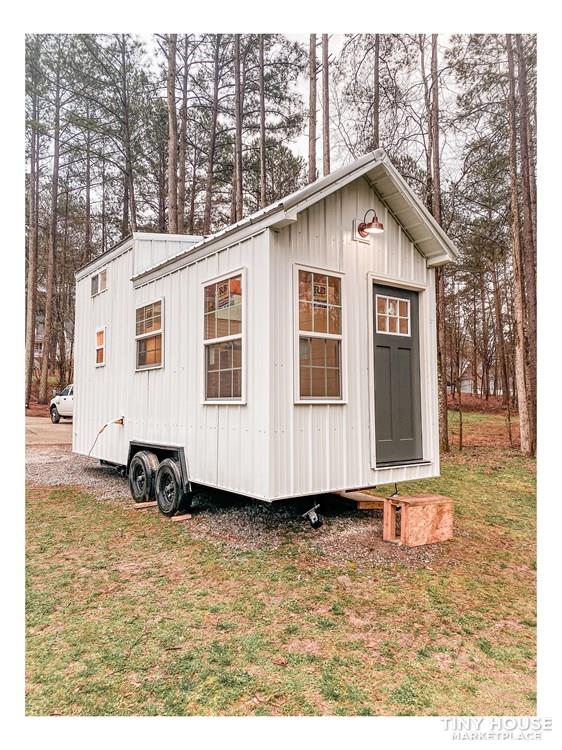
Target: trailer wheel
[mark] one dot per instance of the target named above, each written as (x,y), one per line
(170,494)
(142,476)
(55,416)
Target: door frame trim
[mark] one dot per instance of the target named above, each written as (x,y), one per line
(425,374)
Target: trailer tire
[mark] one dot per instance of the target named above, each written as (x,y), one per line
(170,495)
(142,476)
(55,416)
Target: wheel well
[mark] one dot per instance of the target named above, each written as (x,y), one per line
(175,452)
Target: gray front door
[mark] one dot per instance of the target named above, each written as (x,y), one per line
(397,376)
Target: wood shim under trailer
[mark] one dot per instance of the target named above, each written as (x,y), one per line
(284,356)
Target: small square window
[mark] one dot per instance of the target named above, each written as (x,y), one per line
(98,282)
(393,315)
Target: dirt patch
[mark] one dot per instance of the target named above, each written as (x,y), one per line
(37,410)
(471,403)
(489,433)
(305,646)
(361,541)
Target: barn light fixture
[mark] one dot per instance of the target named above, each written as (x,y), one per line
(372,227)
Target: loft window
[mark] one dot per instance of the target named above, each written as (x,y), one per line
(393,315)
(100,347)
(319,336)
(99,282)
(148,334)
(223,339)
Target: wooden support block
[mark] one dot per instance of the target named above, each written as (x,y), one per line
(389,522)
(143,506)
(424,519)
(363,501)
(183,517)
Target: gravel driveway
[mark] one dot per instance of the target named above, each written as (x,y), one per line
(348,535)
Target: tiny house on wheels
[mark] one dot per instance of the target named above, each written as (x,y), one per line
(290,354)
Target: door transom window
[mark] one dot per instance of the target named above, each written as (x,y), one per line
(393,315)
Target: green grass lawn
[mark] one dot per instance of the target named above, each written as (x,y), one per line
(128,615)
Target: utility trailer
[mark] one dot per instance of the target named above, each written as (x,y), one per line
(290,354)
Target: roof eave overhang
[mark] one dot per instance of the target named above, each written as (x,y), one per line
(414,218)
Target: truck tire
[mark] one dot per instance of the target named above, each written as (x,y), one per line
(142,476)
(170,494)
(55,416)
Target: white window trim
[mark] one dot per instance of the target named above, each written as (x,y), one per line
(100,330)
(148,335)
(98,274)
(387,316)
(428,352)
(241,271)
(317,334)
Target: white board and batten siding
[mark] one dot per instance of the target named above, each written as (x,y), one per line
(105,393)
(225,444)
(324,447)
(269,446)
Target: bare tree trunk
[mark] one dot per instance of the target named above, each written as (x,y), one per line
(263,176)
(162,187)
(32,237)
(429,143)
(62,292)
(49,301)
(440,272)
(376,94)
(88,202)
(172,137)
(500,338)
(132,208)
(325,105)
(192,193)
(312,109)
(233,187)
(238,127)
(529,245)
(212,140)
(125,213)
(518,272)
(458,377)
(474,359)
(182,178)
(103,221)
(485,342)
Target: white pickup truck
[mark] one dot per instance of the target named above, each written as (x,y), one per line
(62,405)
